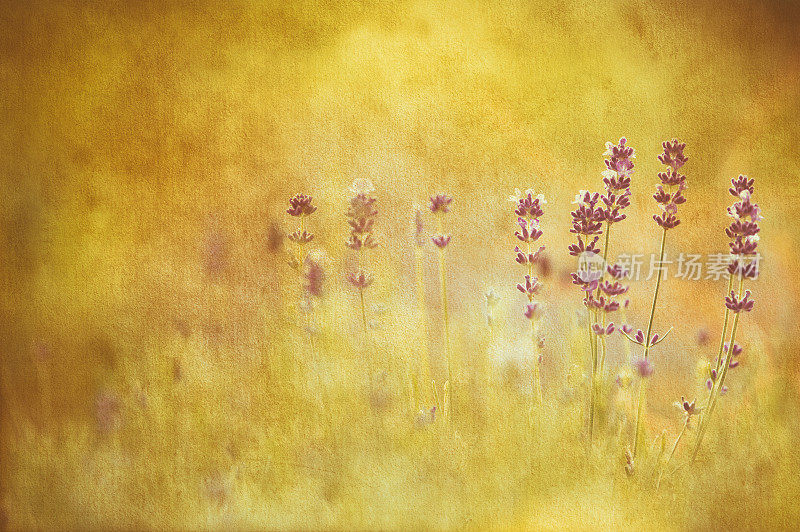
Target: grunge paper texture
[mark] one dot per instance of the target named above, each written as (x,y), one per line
(173,357)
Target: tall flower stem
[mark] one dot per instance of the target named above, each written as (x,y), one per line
(672,452)
(717,387)
(605,260)
(537,381)
(593,347)
(446,318)
(724,324)
(721,347)
(424,361)
(440,205)
(643,385)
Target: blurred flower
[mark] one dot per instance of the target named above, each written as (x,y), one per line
(300,205)
(441,241)
(440,203)
(108,412)
(301,237)
(531,310)
(643,367)
(314,274)
(360,279)
(419,227)
(703,337)
(425,417)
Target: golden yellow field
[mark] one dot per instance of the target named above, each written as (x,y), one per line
(163,366)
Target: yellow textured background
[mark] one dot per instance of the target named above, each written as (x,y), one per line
(143,141)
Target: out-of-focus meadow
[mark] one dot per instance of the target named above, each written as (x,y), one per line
(156,371)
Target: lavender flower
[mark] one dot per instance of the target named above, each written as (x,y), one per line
(309,271)
(108,412)
(644,367)
(314,275)
(300,205)
(361,215)
(738,304)
(743,234)
(619,164)
(528,207)
(441,241)
(360,279)
(440,204)
(300,238)
(669,194)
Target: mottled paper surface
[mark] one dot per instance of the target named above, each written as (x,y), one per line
(157,365)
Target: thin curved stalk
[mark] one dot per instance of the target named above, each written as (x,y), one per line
(717,387)
(643,386)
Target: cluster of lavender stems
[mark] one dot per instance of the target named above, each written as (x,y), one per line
(528,209)
(440,205)
(669,194)
(593,212)
(743,234)
(300,207)
(361,215)
(601,284)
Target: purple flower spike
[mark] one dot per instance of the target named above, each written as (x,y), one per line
(441,241)
(530,287)
(643,367)
(527,258)
(440,203)
(360,279)
(709,384)
(531,310)
(740,184)
(673,154)
(689,408)
(301,238)
(736,305)
(314,275)
(639,336)
(625,328)
(529,206)
(300,205)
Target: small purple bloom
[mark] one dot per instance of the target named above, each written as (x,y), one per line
(441,241)
(300,205)
(643,367)
(440,203)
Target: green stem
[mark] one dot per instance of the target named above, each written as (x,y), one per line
(593,348)
(717,387)
(642,386)
(602,276)
(446,317)
(719,355)
(537,384)
(672,452)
